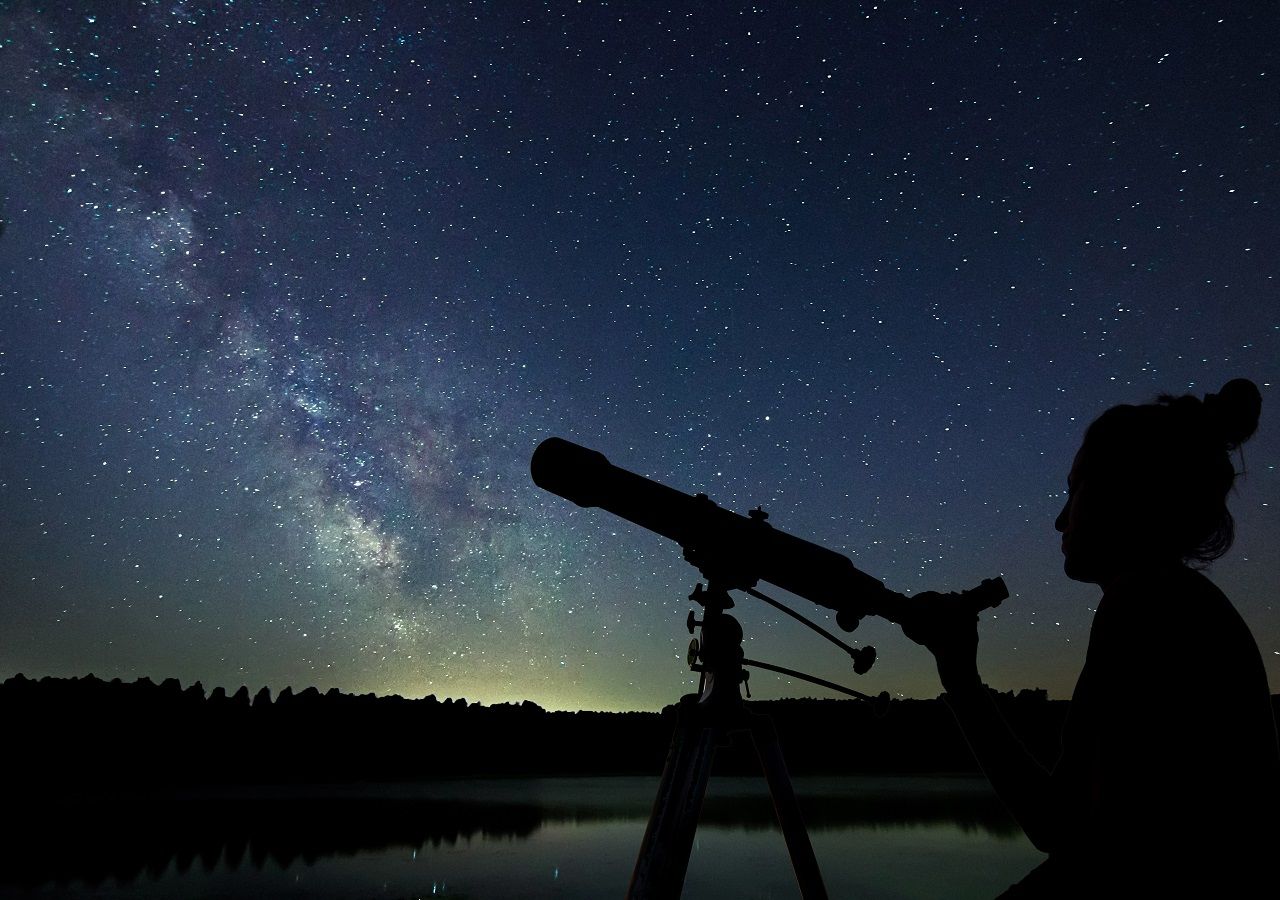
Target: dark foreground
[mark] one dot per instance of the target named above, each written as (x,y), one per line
(501,838)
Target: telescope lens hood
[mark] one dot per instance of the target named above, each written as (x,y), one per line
(570,471)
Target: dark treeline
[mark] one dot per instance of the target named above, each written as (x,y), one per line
(112,734)
(89,733)
(162,775)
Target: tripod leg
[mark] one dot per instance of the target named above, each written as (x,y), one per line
(668,839)
(765,737)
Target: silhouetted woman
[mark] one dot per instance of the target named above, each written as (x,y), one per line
(1169,777)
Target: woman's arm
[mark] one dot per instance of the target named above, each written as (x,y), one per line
(1022,783)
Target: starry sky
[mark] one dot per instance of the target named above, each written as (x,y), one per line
(290,292)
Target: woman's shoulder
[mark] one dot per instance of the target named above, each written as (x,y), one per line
(1162,608)
(1176,610)
(1163,593)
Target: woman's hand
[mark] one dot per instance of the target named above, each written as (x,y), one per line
(949,629)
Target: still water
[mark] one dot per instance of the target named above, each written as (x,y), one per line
(896,837)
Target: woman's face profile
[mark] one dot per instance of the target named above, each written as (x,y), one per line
(1092,521)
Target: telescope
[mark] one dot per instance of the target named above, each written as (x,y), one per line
(733,550)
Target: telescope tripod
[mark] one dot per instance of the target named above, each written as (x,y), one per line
(705,721)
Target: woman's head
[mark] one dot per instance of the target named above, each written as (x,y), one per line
(1150,482)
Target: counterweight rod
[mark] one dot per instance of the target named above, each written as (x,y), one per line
(799,618)
(806,677)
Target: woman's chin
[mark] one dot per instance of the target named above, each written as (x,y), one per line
(1079,570)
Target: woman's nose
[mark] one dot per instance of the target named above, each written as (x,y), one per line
(1060,523)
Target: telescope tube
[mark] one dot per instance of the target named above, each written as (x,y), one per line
(721,543)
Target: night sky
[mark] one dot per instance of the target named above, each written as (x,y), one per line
(289,294)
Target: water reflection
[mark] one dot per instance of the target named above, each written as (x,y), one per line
(518,837)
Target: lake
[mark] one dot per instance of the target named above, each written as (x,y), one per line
(875,837)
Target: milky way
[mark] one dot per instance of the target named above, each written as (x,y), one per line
(291,294)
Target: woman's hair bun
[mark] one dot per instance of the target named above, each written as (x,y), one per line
(1234,410)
